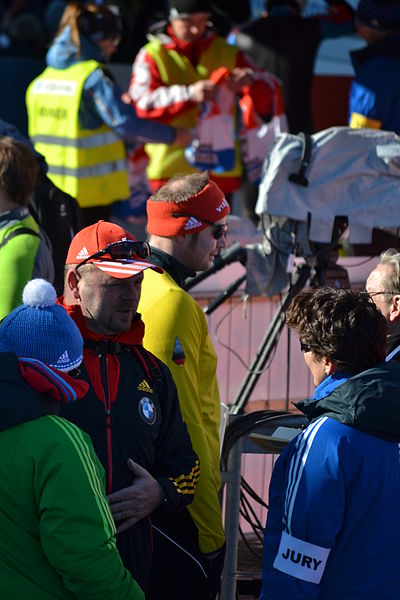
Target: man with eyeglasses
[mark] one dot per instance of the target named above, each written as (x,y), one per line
(131,411)
(383,285)
(187,227)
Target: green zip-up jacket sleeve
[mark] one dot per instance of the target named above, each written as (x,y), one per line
(55,516)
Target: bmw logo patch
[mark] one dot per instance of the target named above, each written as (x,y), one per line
(147,411)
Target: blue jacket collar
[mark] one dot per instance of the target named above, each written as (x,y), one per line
(329,384)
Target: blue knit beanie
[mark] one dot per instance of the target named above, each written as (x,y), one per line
(42,329)
(382,15)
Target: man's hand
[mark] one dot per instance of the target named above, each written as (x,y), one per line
(202,90)
(135,502)
(239,78)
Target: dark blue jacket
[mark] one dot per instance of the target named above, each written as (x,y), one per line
(375,91)
(333,524)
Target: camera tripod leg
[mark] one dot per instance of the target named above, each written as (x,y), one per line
(269,341)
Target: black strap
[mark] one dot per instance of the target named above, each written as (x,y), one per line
(19,231)
(300,178)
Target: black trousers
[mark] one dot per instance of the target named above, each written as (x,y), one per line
(179,570)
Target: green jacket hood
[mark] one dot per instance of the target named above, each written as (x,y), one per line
(368,401)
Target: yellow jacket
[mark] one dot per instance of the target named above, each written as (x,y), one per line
(176,332)
(88,164)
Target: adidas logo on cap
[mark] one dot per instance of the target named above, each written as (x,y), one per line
(192,223)
(82,253)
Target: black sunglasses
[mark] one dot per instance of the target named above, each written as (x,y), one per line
(124,249)
(304,347)
(220,230)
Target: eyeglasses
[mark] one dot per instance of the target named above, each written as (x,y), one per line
(304,347)
(124,249)
(220,229)
(372,294)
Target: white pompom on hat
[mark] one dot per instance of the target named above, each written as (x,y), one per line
(42,329)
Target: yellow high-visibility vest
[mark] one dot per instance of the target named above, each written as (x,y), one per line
(175,68)
(88,164)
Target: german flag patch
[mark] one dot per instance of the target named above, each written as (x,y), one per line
(178,355)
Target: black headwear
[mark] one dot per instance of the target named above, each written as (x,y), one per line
(383,15)
(178,8)
(102,25)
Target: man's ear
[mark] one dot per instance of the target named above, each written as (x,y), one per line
(72,283)
(394,312)
(180,239)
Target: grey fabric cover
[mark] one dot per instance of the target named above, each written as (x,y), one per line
(352,172)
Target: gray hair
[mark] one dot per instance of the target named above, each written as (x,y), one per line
(391,282)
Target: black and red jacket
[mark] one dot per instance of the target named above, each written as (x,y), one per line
(132,411)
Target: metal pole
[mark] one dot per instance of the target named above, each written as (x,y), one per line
(232,507)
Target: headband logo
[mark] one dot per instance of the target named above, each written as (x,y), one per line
(222,205)
(192,223)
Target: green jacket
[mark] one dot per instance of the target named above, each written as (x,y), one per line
(22,257)
(57,536)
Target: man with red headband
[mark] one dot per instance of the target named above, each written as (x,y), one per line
(131,411)
(187,226)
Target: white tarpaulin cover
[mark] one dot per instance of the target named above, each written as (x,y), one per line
(352,172)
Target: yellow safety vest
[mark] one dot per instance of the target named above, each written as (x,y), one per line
(88,164)
(174,68)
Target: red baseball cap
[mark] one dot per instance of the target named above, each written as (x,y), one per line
(118,259)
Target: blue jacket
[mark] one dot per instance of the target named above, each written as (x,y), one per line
(333,525)
(375,91)
(101,99)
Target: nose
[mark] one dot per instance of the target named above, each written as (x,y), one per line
(222,243)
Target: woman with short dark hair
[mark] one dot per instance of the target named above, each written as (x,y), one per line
(333,522)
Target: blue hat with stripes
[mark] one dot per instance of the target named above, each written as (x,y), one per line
(42,329)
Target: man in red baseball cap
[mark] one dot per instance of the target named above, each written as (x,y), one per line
(131,410)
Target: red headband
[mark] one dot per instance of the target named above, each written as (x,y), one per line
(209,204)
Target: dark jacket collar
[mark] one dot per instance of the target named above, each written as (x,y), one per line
(178,271)
(393,341)
(368,401)
(16,214)
(388,46)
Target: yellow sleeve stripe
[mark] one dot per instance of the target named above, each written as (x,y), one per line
(358,121)
(186,484)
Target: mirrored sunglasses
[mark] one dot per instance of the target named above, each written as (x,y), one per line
(123,250)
